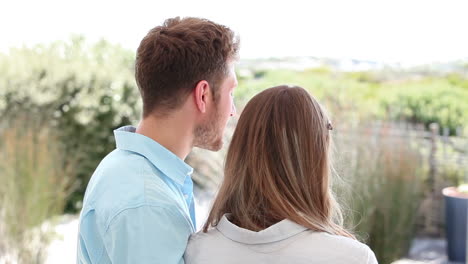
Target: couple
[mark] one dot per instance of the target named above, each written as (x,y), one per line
(275,204)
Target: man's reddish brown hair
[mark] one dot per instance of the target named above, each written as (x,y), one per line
(174,57)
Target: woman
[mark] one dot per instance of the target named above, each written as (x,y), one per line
(275,204)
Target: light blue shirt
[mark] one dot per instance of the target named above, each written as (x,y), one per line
(138,206)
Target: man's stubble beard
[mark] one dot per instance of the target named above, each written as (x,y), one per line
(209,135)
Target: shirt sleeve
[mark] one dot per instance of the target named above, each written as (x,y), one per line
(147,234)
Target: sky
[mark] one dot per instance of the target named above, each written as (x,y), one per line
(409,31)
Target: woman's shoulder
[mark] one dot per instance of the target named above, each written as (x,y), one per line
(336,239)
(345,246)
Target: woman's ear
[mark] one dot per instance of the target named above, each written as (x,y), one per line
(201,95)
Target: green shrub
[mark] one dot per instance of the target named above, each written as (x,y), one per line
(375,95)
(428,101)
(82,90)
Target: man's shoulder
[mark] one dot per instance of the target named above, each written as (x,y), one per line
(117,175)
(125,180)
(121,162)
(125,172)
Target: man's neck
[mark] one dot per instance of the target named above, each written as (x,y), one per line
(172,133)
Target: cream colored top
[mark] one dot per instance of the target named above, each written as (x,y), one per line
(284,242)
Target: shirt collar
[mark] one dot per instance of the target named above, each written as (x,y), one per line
(166,161)
(276,232)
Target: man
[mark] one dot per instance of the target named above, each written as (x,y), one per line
(138,206)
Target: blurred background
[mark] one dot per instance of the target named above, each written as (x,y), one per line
(392,74)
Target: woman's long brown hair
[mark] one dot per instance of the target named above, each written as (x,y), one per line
(278,166)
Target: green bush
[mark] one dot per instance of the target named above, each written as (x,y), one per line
(82,90)
(375,95)
(428,101)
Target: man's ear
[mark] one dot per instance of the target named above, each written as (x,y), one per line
(201,95)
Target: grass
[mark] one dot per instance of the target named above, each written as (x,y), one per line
(35,183)
(381,188)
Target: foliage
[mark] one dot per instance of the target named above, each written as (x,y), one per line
(428,101)
(374,95)
(83,90)
(36,181)
(382,189)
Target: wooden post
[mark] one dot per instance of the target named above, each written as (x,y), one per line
(434,127)
(433,218)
